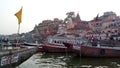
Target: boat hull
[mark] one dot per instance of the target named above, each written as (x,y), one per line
(73,48)
(94,51)
(40,49)
(89,51)
(53,48)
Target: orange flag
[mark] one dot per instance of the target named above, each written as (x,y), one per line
(19,16)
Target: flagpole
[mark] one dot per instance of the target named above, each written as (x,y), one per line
(19,17)
(18,29)
(18,34)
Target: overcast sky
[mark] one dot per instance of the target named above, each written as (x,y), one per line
(34,11)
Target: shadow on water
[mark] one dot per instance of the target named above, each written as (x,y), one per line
(94,62)
(61,60)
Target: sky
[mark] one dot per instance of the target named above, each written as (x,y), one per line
(35,11)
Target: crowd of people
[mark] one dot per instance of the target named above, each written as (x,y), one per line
(111,38)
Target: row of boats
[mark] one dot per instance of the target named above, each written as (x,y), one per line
(81,47)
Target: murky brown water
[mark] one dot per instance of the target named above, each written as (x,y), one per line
(63,60)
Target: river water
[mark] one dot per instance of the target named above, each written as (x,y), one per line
(65,60)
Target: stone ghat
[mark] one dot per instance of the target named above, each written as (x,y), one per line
(14,57)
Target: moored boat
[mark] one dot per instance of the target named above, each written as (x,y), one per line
(55,44)
(36,45)
(54,48)
(103,51)
(88,50)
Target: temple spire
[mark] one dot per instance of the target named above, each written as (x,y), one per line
(78,20)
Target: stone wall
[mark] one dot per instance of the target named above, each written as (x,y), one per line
(13,58)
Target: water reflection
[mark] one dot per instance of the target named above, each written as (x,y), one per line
(61,60)
(94,62)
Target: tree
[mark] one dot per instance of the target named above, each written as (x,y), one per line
(70,15)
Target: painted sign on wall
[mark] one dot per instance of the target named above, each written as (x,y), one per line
(9,59)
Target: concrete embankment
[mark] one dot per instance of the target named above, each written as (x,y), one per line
(14,57)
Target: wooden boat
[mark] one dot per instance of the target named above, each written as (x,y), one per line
(73,47)
(36,45)
(53,48)
(31,44)
(87,50)
(91,51)
(55,44)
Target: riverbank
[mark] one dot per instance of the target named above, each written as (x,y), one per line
(61,60)
(11,58)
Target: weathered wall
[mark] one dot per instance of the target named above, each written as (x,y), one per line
(13,58)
